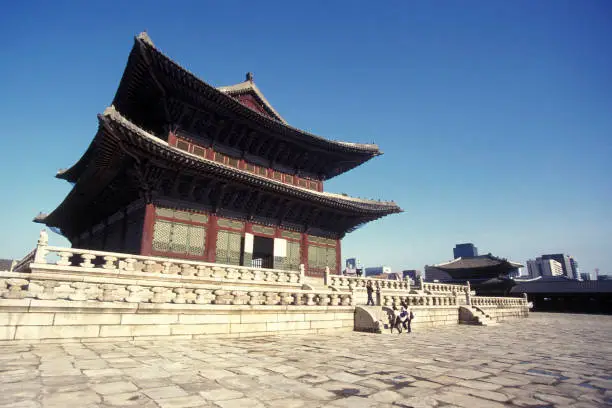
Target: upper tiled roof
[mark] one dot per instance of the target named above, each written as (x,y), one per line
(547,285)
(485,261)
(223,95)
(5,264)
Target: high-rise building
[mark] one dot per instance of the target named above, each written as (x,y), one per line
(465,251)
(575,269)
(585,276)
(533,268)
(566,263)
(550,267)
(544,267)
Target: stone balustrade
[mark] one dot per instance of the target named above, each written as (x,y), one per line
(23,286)
(500,302)
(418,300)
(355,282)
(434,287)
(50,258)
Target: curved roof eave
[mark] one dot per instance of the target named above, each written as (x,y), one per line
(356,203)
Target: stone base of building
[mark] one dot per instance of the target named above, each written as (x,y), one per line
(68,294)
(33,320)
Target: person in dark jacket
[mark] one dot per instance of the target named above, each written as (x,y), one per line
(408,320)
(370,290)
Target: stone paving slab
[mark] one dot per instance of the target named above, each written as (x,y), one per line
(547,360)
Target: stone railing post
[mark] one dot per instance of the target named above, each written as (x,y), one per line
(303,273)
(468,294)
(326,276)
(41,247)
(525,299)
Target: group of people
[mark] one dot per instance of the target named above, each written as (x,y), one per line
(401,317)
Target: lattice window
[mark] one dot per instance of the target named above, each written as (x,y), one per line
(197,237)
(219,157)
(232,162)
(302,183)
(277,175)
(178,238)
(161,236)
(199,151)
(292,262)
(228,247)
(313,185)
(181,144)
(321,257)
(288,179)
(330,258)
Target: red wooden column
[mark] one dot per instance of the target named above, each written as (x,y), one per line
(304,251)
(146,242)
(171,139)
(211,238)
(338,257)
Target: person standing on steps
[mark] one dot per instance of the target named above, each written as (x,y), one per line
(408,320)
(370,291)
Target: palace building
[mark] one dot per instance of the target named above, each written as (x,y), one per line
(181,169)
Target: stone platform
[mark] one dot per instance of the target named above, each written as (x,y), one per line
(548,360)
(68,294)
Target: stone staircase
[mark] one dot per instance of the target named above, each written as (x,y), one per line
(477,317)
(374,319)
(314,283)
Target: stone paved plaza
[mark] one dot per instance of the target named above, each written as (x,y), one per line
(547,360)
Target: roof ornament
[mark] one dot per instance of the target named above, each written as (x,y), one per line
(145,38)
(249,77)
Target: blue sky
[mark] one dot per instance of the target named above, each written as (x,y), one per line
(495,116)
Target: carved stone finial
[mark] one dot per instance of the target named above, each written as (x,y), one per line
(43,238)
(144,36)
(249,76)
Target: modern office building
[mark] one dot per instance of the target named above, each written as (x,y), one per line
(377,270)
(585,276)
(565,262)
(575,269)
(465,251)
(544,267)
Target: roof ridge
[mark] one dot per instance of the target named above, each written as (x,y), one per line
(249,85)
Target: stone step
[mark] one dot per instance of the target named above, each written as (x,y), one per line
(315,282)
